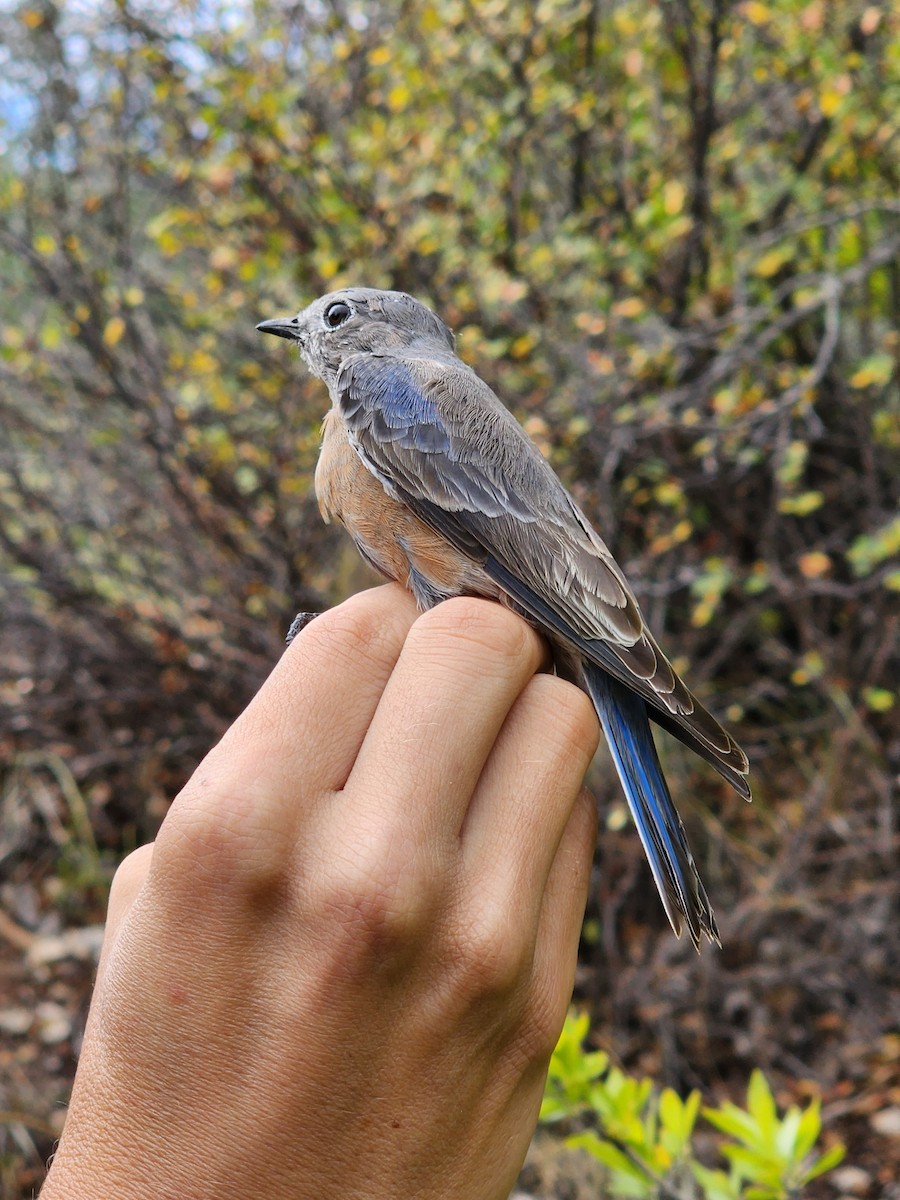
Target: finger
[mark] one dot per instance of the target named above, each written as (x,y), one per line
(309,718)
(462,667)
(524,798)
(561,918)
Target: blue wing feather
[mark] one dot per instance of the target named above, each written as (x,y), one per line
(626,726)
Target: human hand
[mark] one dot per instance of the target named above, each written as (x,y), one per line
(342,967)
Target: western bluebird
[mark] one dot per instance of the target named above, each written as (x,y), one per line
(442,490)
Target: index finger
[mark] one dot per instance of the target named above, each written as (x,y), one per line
(300,734)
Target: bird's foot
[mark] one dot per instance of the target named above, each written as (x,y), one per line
(298,624)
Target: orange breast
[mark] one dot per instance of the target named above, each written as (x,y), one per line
(388,535)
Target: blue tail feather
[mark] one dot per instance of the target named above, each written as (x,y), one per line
(626,726)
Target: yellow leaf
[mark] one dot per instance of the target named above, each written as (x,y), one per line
(668,492)
(200,362)
(379,56)
(829,102)
(168,243)
(541,257)
(814,564)
(812,666)
(430,19)
(617,817)
(724,401)
(682,531)
(631,306)
(875,370)
(702,614)
(112,334)
(756,12)
(625,22)
(44,244)
(590,322)
(600,364)
(673,197)
(878,699)
(802,505)
(771,261)
(398,97)
(51,336)
(133,297)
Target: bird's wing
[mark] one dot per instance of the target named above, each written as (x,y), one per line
(438,438)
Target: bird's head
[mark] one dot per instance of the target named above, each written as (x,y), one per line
(358,321)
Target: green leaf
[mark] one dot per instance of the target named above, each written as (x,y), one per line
(809,1128)
(873,371)
(871,549)
(825,1162)
(731,1119)
(610,1155)
(786,1135)
(678,1118)
(716,1184)
(754,1164)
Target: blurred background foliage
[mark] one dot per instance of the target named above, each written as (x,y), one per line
(667,233)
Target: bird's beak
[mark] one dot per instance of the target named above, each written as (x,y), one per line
(286,327)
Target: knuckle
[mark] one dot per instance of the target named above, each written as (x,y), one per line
(209,848)
(569,720)
(373,903)
(131,871)
(541,1024)
(129,879)
(486,959)
(350,631)
(482,624)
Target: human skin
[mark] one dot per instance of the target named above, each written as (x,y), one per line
(341,968)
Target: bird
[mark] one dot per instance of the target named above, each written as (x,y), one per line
(443,491)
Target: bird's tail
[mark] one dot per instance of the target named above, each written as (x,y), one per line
(623,716)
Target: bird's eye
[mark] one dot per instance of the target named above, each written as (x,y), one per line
(336,314)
